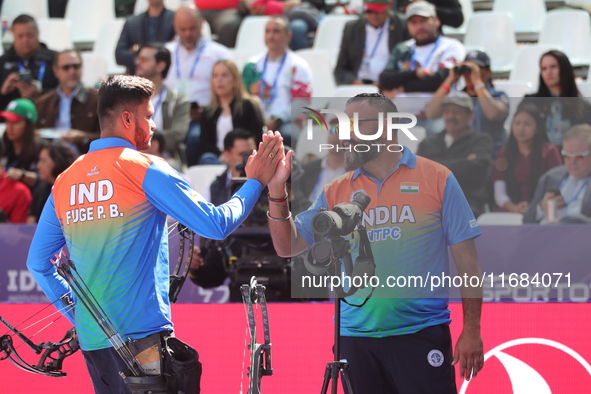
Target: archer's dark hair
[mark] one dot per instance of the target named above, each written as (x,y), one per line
(30,152)
(23,19)
(376,100)
(568,85)
(162,55)
(236,134)
(61,155)
(540,138)
(122,92)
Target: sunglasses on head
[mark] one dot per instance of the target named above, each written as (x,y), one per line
(575,156)
(67,67)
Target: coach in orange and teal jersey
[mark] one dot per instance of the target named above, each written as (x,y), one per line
(109,208)
(399,341)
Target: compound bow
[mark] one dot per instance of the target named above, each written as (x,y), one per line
(52,354)
(260,354)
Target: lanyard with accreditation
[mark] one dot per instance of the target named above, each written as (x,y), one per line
(182,83)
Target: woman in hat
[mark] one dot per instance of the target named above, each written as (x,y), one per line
(21,145)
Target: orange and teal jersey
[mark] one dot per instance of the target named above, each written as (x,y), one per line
(109,208)
(414,214)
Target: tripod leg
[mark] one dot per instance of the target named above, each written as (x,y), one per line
(326,380)
(346,381)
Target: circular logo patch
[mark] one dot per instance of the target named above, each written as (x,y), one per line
(435,358)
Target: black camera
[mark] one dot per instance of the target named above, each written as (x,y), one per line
(343,218)
(462,70)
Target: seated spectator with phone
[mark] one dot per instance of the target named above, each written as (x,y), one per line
(563,194)
(25,69)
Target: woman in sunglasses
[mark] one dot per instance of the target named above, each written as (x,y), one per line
(524,159)
(558,97)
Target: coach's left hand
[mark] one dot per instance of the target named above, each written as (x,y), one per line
(470,353)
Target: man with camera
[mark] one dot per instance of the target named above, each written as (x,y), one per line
(25,69)
(417,209)
(491,106)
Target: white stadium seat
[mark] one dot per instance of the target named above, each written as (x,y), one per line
(13,8)
(323,83)
(527,16)
(500,219)
(55,33)
(527,64)
(87,17)
(330,33)
(251,35)
(202,176)
(106,43)
(94,69)
(569,31)
(494,33)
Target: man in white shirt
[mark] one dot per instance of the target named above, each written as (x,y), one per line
(277,78)
(417,67)
(563,194)
(193,58)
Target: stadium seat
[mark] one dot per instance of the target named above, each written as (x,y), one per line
(418,132)
(142,5)
(55,33)
(13,8)
(579,3)
(500,219)
(527,16)
(353,90)
(570,31)
(305,146)
(87,17)
(202,176)
(107,42)
(239,58)
(494,33)
(585,89)
(323,83)
(205,29)
(94,69)
(251,35)
(329,35)
(527,65)
(467,11)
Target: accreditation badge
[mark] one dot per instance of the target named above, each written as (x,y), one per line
(183,85)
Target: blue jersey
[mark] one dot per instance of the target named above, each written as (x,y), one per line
(109,208)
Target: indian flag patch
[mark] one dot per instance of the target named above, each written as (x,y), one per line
(409,187)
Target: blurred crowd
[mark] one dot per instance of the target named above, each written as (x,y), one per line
(528,155)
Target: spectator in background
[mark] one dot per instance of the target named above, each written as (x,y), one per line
(54,158)
(417,67)
(25,69)
(367,43)
(231,107)
(154,25)
(192,62)
(458,147)
(449,12)
(15,200)
(21,146)
(491,107)
(171,108)
(526,157)
(278,77)
(71,107)
(557,82)
(567,185)
(223,17)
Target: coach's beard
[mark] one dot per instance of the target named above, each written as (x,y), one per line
(355,160)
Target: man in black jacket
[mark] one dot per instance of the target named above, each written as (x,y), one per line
(367,43)
(154,25)
(26,69)
(466,153)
